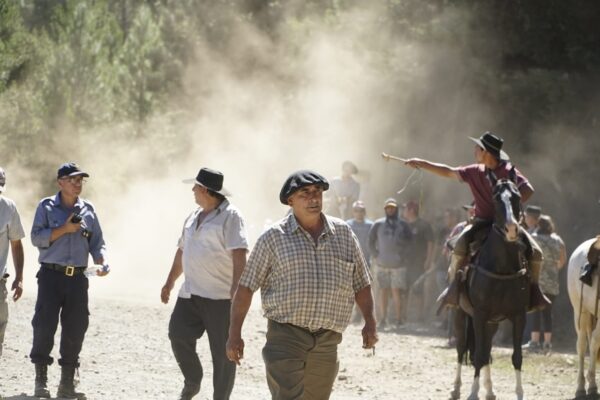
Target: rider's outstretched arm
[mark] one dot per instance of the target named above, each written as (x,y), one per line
(437,168)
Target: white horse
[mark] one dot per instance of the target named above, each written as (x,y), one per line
(584,301)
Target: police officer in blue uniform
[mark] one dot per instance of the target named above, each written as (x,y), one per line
(65,230)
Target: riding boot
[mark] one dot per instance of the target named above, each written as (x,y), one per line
(537,299)
(450,296)
(66,387)
(41,381)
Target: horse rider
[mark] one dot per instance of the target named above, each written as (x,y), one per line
(492,163)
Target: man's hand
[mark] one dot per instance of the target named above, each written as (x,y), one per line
(17,287)
(165,292)
(369,334)
(235,348)
(103,271)
(71,227)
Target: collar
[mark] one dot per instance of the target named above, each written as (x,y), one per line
(293,225)
(57,203)
(213,213)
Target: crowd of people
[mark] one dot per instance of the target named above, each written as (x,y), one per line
(311,268)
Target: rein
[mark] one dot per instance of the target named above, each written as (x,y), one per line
(520,273)
(595,320)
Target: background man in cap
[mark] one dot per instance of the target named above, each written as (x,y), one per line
(389,241)
(491,162)
(345,190)
(309,268)
(361,226)
(420,256)
(211,255)
(66,231)
(531,218)
(11,233)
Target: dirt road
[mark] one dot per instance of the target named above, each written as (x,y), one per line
(127,355)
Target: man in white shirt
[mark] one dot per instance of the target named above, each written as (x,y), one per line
(211,255)
(11,233)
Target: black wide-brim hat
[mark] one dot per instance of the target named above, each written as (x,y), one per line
(492,144)
(210,179)
(298,180)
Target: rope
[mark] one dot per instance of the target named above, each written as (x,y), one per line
(580,307)
(595,320)
(409,180)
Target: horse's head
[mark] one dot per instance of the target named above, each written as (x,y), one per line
(507,202)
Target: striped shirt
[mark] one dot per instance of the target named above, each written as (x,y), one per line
(306,283)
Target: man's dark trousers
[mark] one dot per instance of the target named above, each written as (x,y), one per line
(67,297)
(190,319)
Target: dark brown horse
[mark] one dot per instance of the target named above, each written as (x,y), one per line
(497,288)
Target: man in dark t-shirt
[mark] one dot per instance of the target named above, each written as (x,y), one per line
(421,252)
(491,161)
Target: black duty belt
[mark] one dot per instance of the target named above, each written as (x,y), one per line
(68,270)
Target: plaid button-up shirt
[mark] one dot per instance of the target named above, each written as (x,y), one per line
(306,283)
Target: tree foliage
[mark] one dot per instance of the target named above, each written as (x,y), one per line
(80,66)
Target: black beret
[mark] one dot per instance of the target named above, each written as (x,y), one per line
(300,179)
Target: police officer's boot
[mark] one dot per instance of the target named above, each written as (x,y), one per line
(66,387)
(450,296)
(41,381)
(537,299)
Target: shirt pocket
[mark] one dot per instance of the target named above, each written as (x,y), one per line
(210,236)
(343,273)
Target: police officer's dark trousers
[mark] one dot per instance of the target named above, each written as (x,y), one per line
(66,297)
(190,319)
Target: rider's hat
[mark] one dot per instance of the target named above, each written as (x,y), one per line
(492,144)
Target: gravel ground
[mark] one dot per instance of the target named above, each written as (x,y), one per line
(126,355)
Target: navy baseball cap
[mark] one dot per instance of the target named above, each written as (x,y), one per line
(70,169)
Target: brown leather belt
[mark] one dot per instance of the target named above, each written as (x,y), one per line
(68,270)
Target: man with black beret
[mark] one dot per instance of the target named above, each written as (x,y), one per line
(310,270)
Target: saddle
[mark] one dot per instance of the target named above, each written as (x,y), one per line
(593,258)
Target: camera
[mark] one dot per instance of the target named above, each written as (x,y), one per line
(76,218)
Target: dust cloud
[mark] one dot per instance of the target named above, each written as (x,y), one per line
(263,105)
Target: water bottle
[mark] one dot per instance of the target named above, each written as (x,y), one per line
(93,270)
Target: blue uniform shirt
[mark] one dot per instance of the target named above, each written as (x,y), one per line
(70,248)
